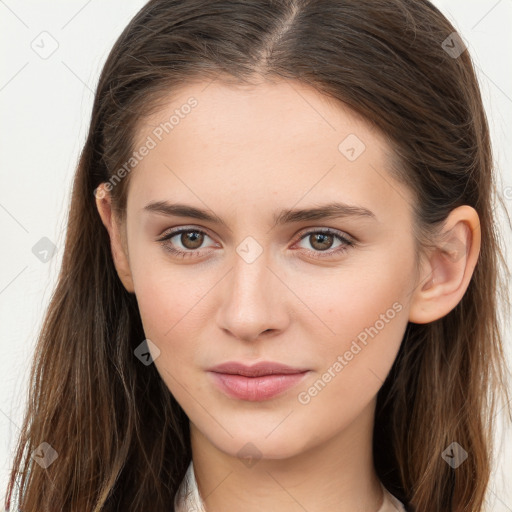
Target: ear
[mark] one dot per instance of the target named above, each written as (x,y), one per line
(118,244)
(447,269)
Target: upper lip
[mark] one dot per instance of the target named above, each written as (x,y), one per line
(256,370)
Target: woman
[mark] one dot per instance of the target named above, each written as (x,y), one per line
(280,280)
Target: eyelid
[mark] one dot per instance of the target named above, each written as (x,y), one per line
(346,240)
(330,231)
(309,230)
(169,232)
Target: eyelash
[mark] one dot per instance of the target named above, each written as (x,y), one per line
(317,254)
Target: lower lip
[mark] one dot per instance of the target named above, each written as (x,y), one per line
(256,389)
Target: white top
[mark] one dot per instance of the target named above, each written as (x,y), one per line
(193,502)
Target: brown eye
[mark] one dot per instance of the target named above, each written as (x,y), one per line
(191,239)
(184,242)
(326,243)
(321,241)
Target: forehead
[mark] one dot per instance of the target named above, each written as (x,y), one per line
(238,113)
(249,144)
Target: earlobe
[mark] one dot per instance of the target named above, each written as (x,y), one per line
(449,267)
(119,251)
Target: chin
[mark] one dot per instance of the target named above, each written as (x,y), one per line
(257,444)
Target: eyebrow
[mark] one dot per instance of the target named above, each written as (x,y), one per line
(287,216)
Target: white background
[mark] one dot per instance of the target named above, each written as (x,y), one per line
(46,105)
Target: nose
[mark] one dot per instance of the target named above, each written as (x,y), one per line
(253,300)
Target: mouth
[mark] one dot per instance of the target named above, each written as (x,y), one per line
(258,382)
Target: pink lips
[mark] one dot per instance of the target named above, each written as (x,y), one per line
(258,382)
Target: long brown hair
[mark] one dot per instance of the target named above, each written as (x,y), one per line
(122,440)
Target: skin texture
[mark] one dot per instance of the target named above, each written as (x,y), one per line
(244,153)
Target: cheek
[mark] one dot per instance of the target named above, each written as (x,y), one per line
(169,305)
(369,318)
(367,326)
(369,302)
(169,296)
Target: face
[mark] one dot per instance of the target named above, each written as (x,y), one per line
(325,294)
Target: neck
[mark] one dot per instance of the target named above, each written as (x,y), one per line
(336,474)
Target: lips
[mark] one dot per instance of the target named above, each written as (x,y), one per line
(257,382)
